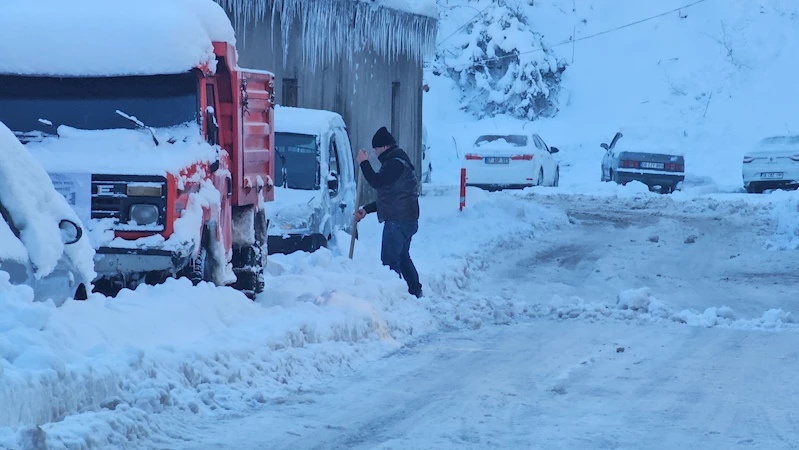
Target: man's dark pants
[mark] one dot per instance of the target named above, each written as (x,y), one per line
(396,252)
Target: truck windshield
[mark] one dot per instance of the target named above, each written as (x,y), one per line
(90,103)
(297,162)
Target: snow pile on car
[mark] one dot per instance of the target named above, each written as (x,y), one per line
(110,37)
(36,209)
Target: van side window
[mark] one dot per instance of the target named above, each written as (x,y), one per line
(333,163)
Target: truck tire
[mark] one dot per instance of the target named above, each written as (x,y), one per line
(199,266)
(249,259)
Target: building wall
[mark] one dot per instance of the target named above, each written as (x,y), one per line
(362,90)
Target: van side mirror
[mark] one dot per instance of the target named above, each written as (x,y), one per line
(553,149)
(604,145)
(70,231)
(332,183)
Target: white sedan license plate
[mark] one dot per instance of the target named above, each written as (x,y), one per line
(652,165)
(497,160)
(771,175)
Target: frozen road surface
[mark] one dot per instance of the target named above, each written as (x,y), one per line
(672,369)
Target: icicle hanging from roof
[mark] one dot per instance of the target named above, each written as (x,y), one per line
(332,29)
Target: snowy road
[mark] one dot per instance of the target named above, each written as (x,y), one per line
(565,383)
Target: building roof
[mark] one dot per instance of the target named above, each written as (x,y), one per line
(110,37)
(335,28)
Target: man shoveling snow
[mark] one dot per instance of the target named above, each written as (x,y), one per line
(397,205)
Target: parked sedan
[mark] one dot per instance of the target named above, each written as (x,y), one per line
(660,171)
(773,165)
(511,161)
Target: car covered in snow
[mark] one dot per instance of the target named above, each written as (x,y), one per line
(42,243)
(660,169)
(314,180)
(507,161)
(774,164)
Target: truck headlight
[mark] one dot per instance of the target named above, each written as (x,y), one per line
(144,214)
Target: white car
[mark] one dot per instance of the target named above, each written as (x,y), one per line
(511,161)
(773,165)
(42,243)
(314,180)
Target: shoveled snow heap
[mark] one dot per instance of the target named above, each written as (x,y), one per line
(36,208)
(110,37)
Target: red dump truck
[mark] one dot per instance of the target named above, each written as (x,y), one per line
(161,143)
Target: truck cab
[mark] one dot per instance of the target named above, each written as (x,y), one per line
(167,158)
(314,180)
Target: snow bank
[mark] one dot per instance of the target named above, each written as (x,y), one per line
(719,78)
(107,38)
(94,373)
(37,209)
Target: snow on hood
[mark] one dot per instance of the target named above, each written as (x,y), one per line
(122,151)
(293,207)
(306,121)
(110,37)
(36,208)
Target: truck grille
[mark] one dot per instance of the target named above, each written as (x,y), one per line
(110,200)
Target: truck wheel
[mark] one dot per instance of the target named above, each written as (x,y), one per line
(249,260)
(199,267)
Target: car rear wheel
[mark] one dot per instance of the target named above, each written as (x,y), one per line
(557,177)
(754,188)
(540,181)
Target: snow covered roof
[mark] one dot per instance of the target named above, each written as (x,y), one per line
(334,28)
(305,121)
(110,37)
(36,210)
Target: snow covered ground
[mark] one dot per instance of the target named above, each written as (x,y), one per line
(585,316)
(567,278)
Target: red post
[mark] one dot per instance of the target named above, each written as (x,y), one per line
(463,188)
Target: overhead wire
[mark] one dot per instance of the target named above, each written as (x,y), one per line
(583,38)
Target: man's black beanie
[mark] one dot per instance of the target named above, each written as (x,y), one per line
(383,139)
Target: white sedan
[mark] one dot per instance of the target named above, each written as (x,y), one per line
(511,161)
(773,165)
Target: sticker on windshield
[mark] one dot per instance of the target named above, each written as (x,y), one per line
(77,189)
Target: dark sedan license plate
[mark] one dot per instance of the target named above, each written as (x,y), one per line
(497,160)
(652,165)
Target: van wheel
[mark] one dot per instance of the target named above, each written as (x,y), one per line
(540,177)
(556,183)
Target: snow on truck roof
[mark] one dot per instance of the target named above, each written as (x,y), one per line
(110,37)
(305,121)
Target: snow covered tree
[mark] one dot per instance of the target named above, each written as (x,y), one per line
(502,65)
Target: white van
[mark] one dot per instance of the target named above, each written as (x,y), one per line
(314,180)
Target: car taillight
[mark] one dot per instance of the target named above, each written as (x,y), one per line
(674,167)
(522,158)
(629,164)
(473,157)
(748,159)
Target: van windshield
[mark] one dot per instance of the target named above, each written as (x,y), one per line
(159,101)
(297,161)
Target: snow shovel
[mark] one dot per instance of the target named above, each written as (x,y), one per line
(357,207)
